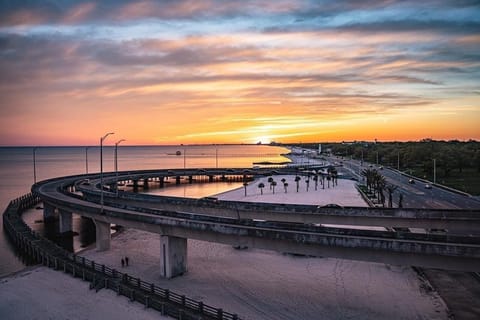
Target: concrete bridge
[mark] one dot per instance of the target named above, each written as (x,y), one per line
(286,228)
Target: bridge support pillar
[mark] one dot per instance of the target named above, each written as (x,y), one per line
(102,233)
(162,182)
(48,212)
(145,184)
(173,256)
(65,221)
(210,178)
(177,179)
(190,179)
(135,185)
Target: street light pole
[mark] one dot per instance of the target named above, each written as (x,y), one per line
(116,165)
(34,166)
(216,158)
(86,159)
(434,171)
(101,169)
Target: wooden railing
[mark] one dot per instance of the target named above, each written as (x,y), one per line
(37,249)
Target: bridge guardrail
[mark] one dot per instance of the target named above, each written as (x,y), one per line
(40,250)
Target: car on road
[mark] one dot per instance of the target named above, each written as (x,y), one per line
(428,186)
(411,181)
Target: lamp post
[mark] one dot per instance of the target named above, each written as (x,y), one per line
(34,166)
(216,158)
(116,165)
(101,169)
(86,159)
(434,171)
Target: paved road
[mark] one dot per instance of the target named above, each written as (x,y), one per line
(414,195)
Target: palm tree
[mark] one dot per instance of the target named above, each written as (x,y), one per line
(297,179)
(285,185)
(273,184)
(390,189)
(380,183)
(369,175)
(270,179)
(400,200)
(245,184)
(308,183)
(315,178)
(328,180)
(334,174)
(261,185)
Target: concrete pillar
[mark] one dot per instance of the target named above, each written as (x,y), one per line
(173,256)
(190,179)
(48,212)
(102,233)
(162,182)
(210,178)
(145,183)
(177,180)
(135,185)
(65,221)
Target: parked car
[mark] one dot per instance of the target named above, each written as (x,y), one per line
(428,186)
(411,181)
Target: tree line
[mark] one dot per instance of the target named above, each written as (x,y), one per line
(451,157)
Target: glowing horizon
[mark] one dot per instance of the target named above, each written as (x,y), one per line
(213,72)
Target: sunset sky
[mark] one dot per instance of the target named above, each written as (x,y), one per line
(206,71)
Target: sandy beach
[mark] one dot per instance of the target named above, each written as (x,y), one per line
(42,293)
(255,284)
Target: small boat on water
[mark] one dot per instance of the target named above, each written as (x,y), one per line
(178,153)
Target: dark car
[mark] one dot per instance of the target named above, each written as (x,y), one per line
(411,181)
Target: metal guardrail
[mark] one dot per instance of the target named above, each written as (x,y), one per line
(37,249)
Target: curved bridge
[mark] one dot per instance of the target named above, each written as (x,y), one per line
(284,228)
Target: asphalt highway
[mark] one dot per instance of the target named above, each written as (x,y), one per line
(415,195)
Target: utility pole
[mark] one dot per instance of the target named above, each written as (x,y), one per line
(34,166)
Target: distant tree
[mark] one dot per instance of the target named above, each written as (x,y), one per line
(297,180)
(261,185)
(315,178)
(285,186)
(400,200)
(390,189)
(307,182)
(270,179)
(273,184)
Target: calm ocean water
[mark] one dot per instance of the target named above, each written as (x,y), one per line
(17,174)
